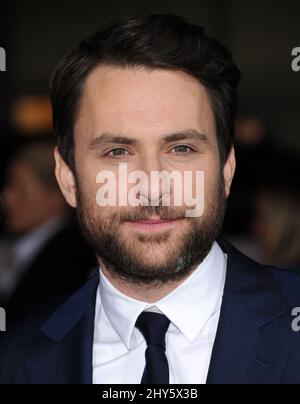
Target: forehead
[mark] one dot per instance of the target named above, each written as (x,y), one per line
(143,102)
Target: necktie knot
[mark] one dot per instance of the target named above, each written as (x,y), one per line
(154,327)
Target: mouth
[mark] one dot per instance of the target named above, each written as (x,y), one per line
(154,224)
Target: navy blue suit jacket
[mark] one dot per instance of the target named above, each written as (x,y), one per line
(255,342)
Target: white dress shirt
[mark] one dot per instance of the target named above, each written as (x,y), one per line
(194,311)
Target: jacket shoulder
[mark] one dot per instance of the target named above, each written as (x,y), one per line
(29,336)
(19,343)
(285,281)
(288,283)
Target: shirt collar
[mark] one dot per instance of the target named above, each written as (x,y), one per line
(189,307)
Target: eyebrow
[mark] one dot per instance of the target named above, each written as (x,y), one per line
(109,138)
(186,134)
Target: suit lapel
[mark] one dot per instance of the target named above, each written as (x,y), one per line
(65,342)
(250,347)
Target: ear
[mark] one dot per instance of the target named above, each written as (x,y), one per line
(65,179)
(229,170)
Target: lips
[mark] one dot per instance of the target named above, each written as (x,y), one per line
(154,221)
(153,224)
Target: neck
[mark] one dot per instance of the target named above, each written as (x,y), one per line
(142,292)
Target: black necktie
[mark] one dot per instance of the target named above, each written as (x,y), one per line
(154,327)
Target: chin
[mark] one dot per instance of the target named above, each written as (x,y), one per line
(152,258)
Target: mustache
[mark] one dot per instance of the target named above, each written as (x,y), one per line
(146,212)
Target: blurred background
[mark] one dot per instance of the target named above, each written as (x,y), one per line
(40,245)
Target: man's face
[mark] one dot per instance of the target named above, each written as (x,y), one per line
(152,120)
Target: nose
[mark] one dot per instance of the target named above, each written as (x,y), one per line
(152,190)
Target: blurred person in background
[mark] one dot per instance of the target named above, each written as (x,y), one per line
(252,145)
(276,225)
(263,219)
(277,228)
(44,254)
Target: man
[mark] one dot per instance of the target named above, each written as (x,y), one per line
(46,255)
(169,303)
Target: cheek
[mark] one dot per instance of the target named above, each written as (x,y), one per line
(90,191)
(210,168)
(99,183)
(87,180)
(212,184)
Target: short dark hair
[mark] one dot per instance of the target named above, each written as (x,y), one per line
(154,41)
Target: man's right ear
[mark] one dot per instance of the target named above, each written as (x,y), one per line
(65,179)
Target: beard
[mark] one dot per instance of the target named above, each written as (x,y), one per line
(134,259)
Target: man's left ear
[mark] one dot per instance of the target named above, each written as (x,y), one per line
(229,170)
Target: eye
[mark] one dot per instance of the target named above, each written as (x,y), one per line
(119,152)
(182,149)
